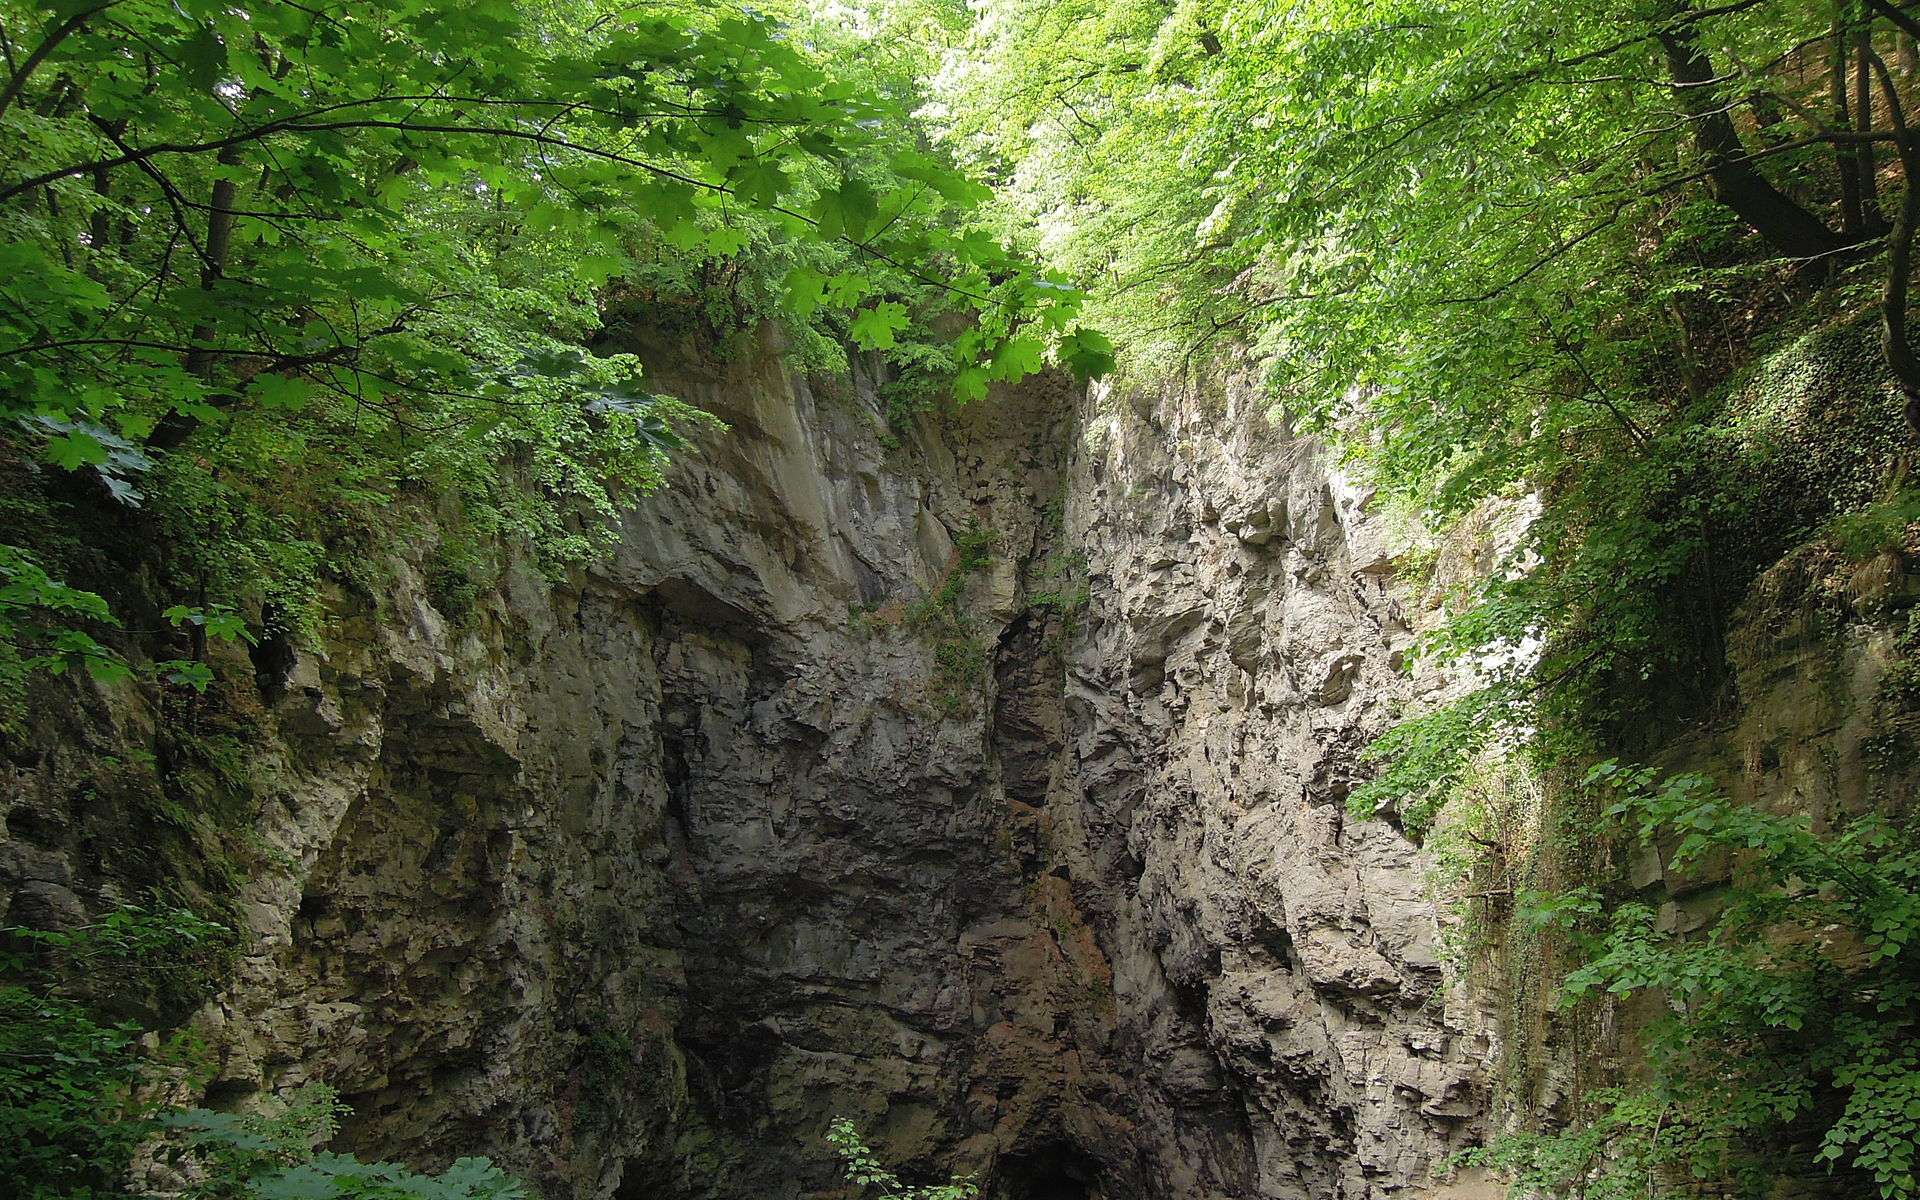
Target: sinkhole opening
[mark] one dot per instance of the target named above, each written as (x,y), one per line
(1055,1171)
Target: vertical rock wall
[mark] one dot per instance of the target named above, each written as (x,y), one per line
(984,787)
(1274,960)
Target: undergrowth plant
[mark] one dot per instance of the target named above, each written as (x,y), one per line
(90,1078)
(875,1181)
(1781,1038)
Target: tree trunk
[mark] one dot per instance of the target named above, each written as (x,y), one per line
(1735,181)
(1895,345)
(1874,222)
(1853,219)
(174,428)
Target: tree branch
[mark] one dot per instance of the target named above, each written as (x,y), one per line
(59,34)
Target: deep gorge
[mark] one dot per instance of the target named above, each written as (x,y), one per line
(636,884)
(959,600)
(1032,857)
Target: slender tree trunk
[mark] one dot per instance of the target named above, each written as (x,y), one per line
(1852,213)
(219,243)
(174,428)
(1909,55)
(1895,345)
(1731,174)
(1873,222)
(99,225)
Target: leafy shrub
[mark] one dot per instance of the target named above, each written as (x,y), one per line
(865,1171)
(458,574)
(270,1156)
(69,1117)
(1424,757)
(80,1091)
(1879,526)
(1785,1036)
(158,957)
(959,667)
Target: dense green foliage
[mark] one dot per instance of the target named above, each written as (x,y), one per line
(271,1157)
(283,280)
(66,1084)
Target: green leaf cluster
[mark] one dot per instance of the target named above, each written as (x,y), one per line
(866,1173)
(1783,1031)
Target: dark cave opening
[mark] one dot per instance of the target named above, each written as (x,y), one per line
(633,1184)
(1055,1171)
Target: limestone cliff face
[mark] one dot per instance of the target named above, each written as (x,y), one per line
(1274,960)
(985,788)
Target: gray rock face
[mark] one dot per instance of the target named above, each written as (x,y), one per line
(1274,961)
(1030,859)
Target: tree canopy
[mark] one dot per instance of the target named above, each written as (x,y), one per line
(269,266)
(1491,221)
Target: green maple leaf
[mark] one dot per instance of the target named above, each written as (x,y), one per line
(847,289)
(952,186)
(1088,353)
(685,236)
(805,291)
(969,384)
(76,449)
(1017,358)
(873,328)
(847,210)
(280,391)
(759,182)
(728,240)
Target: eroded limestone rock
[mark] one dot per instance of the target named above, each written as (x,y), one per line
(635,883)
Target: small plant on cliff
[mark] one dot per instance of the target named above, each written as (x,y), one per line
(1067,592)
(865,1171)
(83,1089)
(972,553)
(1784,1036)
(1424,758)
(1882,525)
(959,657)
(270,1156)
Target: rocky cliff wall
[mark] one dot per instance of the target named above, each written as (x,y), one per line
(1274,959)
(983,785)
